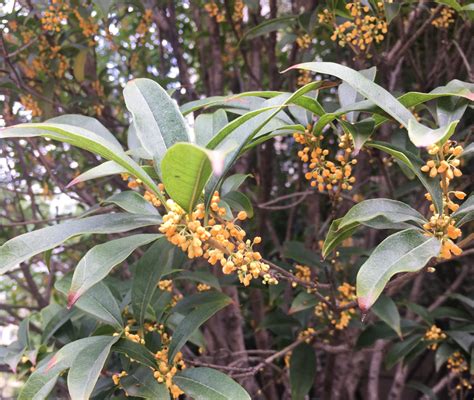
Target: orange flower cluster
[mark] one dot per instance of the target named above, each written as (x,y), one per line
(333,176)
(434,334)
(367,25)
(304,78)
(445,162)
(216,239)
(303,273)
(31,105)
(340,321)
(202,287)
(54,16)
(213,10)
(148,196)
(457,364)
(166,369)
(88,26)
(303,41)
(144,25)
(445,18)
(307,335)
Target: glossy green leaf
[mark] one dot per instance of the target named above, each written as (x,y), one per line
(303,301)
(147,274)
(405,251)
(85,139)
(206,126)
(136,352)
(444,351)
(192,322)
(239,202)
(23,247)
(43,379)
(465,213)
(156,117)
(98,301)
(374,213)
(268,26)
(401,349)
(105,169)
(205,277)
(209,384)
(86,368)
(419,134)
(233,182)
(132,202)
(414,163)
(302,371)
(141,383)
(54,317)
(386,309)
(100,260)
(186,168)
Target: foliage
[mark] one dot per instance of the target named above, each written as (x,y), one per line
(205,282)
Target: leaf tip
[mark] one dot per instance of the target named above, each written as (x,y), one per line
(51,363)
(72,297)
(365,303)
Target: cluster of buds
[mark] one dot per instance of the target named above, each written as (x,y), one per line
(31,105)
(442,227)
(167,369)
(303,273)
(144,26)
(202,287)
(54,16)
(445,19)
(434,334)
(116,377)
(304,78)
(457,364)
(444,162)
(238,14)
(216,239)
(307,335)
(213,10)
(366,27)
(148,196)
(340,321)
(303,41)
(166,285)
(333,176)
(134,337)
(88,26)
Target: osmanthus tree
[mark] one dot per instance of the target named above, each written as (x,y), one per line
(142,338)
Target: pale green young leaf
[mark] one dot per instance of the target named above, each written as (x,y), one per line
(185,169)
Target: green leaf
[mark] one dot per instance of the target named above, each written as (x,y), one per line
(426,390)
(444,351)
(105,169)
(374,213)
(206,126)
(302,301)
(199,276)
(132,202)
(100,260)
(57,320)
(141,383)
(86,368)
(360,131)
(302,371)
(104,6)
(23,247)
(419,134)
(405,251)
(209,384)
(43,379)
(451,3)
(414,163)
(98,301)
(401,349)
(192,322)
(147,274)
(386,309)
(239,202)
(186,168)
(268,26)
(79,65)
(233,182)
(156,117)
(465,212)
(136,352)
(93,141)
